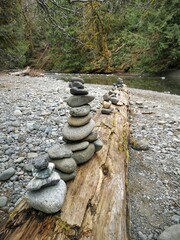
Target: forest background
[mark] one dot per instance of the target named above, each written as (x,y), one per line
(90,36)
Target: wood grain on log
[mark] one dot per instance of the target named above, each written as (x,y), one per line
(95,205)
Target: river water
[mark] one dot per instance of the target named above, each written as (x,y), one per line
(167,82)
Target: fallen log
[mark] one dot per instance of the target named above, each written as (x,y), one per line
(95,205)
(28,72)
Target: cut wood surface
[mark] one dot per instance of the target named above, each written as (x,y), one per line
(95,204)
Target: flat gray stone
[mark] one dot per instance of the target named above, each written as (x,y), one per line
(37,183)
(78,91)
(66,176)
(76,79)
(7,174)
(106,111)
(59,151)
(80,111)
(77,146)
(77,133)
(45,173)
(171,233)
(98,145)
(84,155)
(3,201)
(66,165)
(91,137)
(76,84)
(77,101)
(79,121)
(48,200)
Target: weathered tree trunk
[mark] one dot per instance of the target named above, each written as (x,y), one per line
(95,205)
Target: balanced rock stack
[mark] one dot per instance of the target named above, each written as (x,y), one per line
(78,131)
(46,191)
(65,165)
(111,97)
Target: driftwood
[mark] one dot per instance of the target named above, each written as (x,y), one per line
(28,72)
(95,206)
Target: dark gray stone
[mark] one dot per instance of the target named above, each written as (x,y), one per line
(78,91)
(106,111)
(106,97)
(98,145)
(76,84)
(84,155)
(80,111)
(7,174)
(77,101)
(59,151)
(77,133)
(66,165)
(79,121)
(114,100)
(171,233)
(48,200)
(91,137)
(40,162)
(37,183)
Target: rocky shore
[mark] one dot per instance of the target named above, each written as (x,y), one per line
(33,112)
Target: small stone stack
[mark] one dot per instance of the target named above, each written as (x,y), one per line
(65,165)
(46,191)
(111,97)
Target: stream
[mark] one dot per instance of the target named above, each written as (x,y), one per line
(167,82)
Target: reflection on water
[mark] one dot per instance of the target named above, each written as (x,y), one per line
(168,82)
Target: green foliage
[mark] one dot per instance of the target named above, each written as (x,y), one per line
(136,36)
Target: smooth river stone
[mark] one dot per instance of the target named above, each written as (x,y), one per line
(77,146)
(59,151)
(6,174)
(91,137)
(40,162)
(66,176)
(79,121)
(98,145)
(114,100)
(76,84)
(77,101)
(66,165)
(78,91)
(84,155)
(80,111)
(37,183)
(77,133)
(106,111)
(106,104)
(77,79)
(48,200)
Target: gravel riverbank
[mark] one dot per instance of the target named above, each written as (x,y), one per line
(32,114)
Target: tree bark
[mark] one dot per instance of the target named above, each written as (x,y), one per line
(95,206)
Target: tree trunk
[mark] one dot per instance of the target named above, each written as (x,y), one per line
(95,206)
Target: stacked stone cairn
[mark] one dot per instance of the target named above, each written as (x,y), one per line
(46,191)
(111,97)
